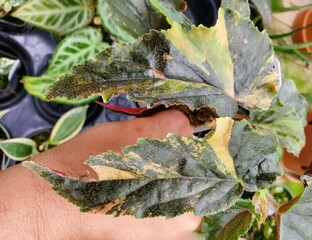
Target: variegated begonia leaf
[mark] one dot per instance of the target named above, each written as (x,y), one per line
(129,19)
(295,218)
(286,117)
(58,16)
(168,177)
(242,6)
(214,67)
(231,223)
(73,49)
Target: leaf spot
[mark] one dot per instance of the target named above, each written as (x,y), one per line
(158,73)
(182,7)
(168,57)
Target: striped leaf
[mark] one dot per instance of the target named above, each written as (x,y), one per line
(68,125)
(58,16)
(214,67)
(172,176)
(73,49)
(76,48)
(19,149)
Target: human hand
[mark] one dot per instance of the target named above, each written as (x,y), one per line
(47,215)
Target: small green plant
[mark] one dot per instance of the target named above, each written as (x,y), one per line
(6,64)
(20,149)
(222,75)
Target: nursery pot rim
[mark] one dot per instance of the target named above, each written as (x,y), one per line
(4,157)
(303,19)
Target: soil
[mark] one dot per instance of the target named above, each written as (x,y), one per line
(40,138)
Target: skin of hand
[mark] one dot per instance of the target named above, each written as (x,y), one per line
(30,209)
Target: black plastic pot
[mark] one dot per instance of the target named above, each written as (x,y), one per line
(4,160)
(28,115)
(34,48)
(203,11)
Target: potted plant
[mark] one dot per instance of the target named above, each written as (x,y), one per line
(20,149)
(248,114)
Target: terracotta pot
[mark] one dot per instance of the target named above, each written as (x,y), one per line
(302,20)
(295,164)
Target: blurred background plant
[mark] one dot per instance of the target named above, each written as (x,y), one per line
(277,17)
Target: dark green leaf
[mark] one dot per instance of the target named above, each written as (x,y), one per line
(201,67)
(128,19)
(296,222)
(255,156)
(58,16)
(19,149)
(286,116)
(242,6)
(230,224)
(168,177)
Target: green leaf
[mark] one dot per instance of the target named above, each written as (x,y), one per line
(230,224)
(264,7)
(68,125)
(6,64)
(297,71)
(173,11)
(128,19)
(296,222)
(37,86)
(201,67)
(242,6)
(73,49)
(19,149)
(255,156)
(76,48)
(278,6)
(286,116)
(7,5)
(58,16)
(165,178)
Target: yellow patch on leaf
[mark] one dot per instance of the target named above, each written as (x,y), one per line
(219,142)
(109,173)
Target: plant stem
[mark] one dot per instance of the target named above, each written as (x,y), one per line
(241,116)
(291,173)
(277,36)
(293,8)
